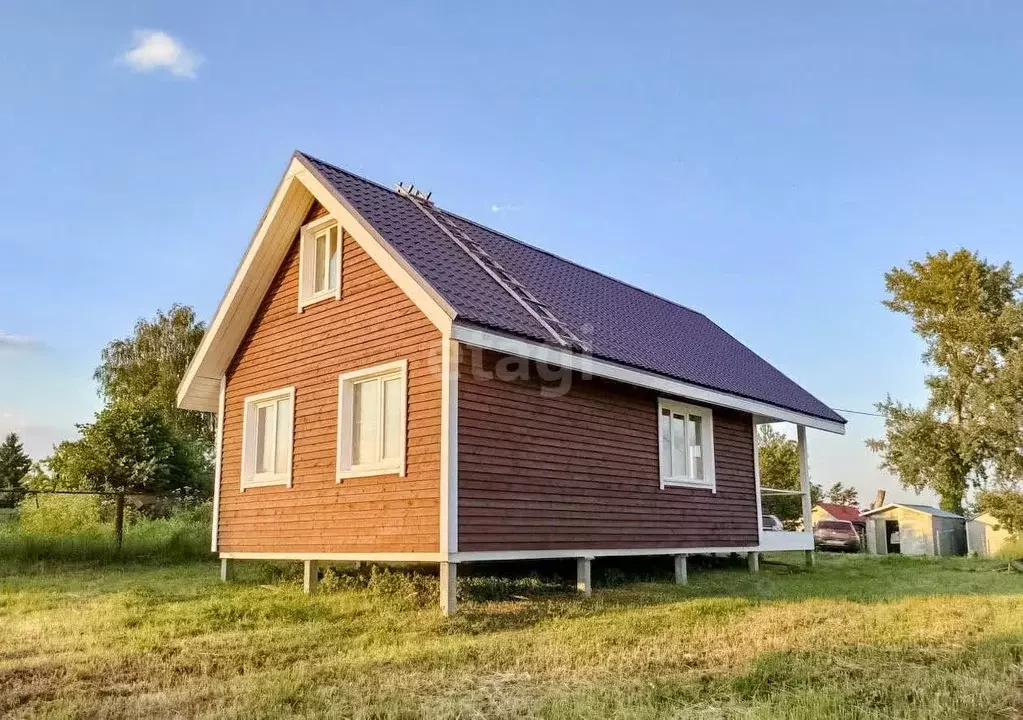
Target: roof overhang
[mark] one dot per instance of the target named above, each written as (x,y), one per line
(300,186)
(762,412)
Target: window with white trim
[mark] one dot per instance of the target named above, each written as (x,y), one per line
(686,444)
(371,427)
(267,431)
(319,262)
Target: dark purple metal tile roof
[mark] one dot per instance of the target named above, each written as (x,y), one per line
(620,322)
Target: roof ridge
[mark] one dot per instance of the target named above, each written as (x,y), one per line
(508,237)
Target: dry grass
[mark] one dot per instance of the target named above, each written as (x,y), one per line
(857,637)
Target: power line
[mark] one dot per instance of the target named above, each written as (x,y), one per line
(859,412)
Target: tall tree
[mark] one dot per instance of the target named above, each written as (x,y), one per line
(843,495)
(779,470)
(146,368)
(128,448)
(969,314)
(14,463)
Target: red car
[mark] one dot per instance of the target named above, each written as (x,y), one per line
(836,535)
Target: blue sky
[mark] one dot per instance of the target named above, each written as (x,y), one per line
(764,163)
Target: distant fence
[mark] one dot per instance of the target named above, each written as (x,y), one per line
(119,499)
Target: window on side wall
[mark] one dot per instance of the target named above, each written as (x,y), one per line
(371,427)
(267,431)
(319,262)
(686,445)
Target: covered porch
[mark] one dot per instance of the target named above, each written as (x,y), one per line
(772,537)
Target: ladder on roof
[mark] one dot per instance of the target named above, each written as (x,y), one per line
(561,332)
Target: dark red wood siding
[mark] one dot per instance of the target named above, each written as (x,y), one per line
(580,470)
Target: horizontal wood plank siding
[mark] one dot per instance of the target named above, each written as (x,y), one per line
(580,470)
(372,323)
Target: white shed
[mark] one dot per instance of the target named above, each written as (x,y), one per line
(985,536)
(915,530)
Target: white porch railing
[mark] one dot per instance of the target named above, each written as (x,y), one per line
(780,540)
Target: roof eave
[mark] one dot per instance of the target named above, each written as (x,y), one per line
(471,334)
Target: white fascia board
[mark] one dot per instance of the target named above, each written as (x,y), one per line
(199,386)
(399,557)
(197,373)
(488,555)
(604,368)
(449,448)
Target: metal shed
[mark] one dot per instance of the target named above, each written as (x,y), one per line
(985,535)
(915,530)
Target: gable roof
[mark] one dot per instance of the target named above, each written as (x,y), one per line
(925,509)
(841,512)
(619,322)
(627,334)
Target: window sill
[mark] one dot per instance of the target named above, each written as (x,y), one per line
(694,484)
(272,481)
(319,297)
(357,472)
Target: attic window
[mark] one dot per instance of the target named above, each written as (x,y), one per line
(319,262)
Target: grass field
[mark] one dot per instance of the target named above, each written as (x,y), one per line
(856,637)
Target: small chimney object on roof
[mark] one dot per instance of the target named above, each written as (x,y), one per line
(412,192)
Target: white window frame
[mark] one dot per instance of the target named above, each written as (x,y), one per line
(307,294)
(345,467)
(250,478)
(707,421)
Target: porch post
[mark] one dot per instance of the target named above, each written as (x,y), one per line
(583,570)
(753,560)
(804,486)
(226,570)
(448,588)
(310,576)
(681,570)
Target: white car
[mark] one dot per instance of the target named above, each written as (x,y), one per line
(772,523)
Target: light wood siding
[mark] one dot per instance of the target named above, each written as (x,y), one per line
(581,470)
(372,323)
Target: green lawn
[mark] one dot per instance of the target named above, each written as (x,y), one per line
(856,637)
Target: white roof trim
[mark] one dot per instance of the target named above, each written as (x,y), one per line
(301,184)
(906,506)
(623,373)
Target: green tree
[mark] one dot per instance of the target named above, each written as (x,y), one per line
(1006,506)
(779,470)
(14,464)
(969,314)
(843,495)
(128,448)
(146,368)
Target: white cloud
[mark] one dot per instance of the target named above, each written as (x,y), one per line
(510,207)
(156,50)
(16,342)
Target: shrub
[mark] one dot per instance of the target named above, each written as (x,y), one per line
(60,515)
(404,585)
(69,528)
(1012,549)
